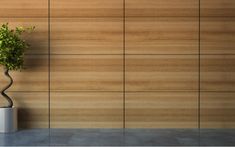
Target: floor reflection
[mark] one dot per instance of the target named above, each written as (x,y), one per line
(119,137)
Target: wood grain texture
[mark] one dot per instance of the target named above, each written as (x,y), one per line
(87,8)
(217,110)
(217,8)
(162,35)
(161,109)
(87,36)
(161,72)
(38,39)
(86,109)
(33,78)
(23,8)
(86,73)
(172,8)
(217,35)
(32,108)
(217,73)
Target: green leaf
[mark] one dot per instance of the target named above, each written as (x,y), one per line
(12,46)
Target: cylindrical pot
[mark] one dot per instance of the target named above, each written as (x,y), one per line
(8,120)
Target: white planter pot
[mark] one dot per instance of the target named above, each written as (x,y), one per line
(8,120)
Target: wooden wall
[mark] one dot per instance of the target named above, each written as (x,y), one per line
(86,64)
(161,63)
(217,64)
(30,88)
(140,70)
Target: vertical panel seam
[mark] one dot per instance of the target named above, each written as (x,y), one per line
(199,71)
(49,64)
(124,64)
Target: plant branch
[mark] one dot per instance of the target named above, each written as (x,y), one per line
(10,102)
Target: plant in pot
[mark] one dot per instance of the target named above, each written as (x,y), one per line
(12,49)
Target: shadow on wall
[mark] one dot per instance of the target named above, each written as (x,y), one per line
(31,81)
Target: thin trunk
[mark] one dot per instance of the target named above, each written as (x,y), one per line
(10,102)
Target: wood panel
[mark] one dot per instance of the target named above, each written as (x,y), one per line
(161,8)
(33,78)
(162,35)
(32,108)
(217,35)
(38,39)
(87,110)
(217,8)
(87,8)
(161,109)
(161,72)
(86,73)
(87,36)
(217,72)
(23,8)
(217,110)
(84,34)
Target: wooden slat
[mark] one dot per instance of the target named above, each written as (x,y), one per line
(86,72)
(38,39)
(23,8)
(217,110)
(161,72)
(162,35)
(87,36)
(217,72)
(33,78)
(161,8)
(217,35)
(217,8)
(87,8)
(161,109)
(86,109)
(32,108)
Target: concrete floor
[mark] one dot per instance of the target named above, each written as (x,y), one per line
(119,137)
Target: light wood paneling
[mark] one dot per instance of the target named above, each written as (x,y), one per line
(32,108)
(87,8)
(161,8)
(87,110)
(217,110)
(38,39)
(87,36)
(33,78)
(162,35)
(217,35)
(217,72)
(86,73)
(23,8)
(161,72)
(161,109)
(217,8)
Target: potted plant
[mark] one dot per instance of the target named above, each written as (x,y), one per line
(12,49)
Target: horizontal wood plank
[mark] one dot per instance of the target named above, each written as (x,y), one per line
(162,8)
(162,35)
(87,36)
(86,73)
(161,72)
(23,8)
(87,8)
(86,109)
(217,110)
(161,109)
(217,35)
(217,73)
(217,8)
